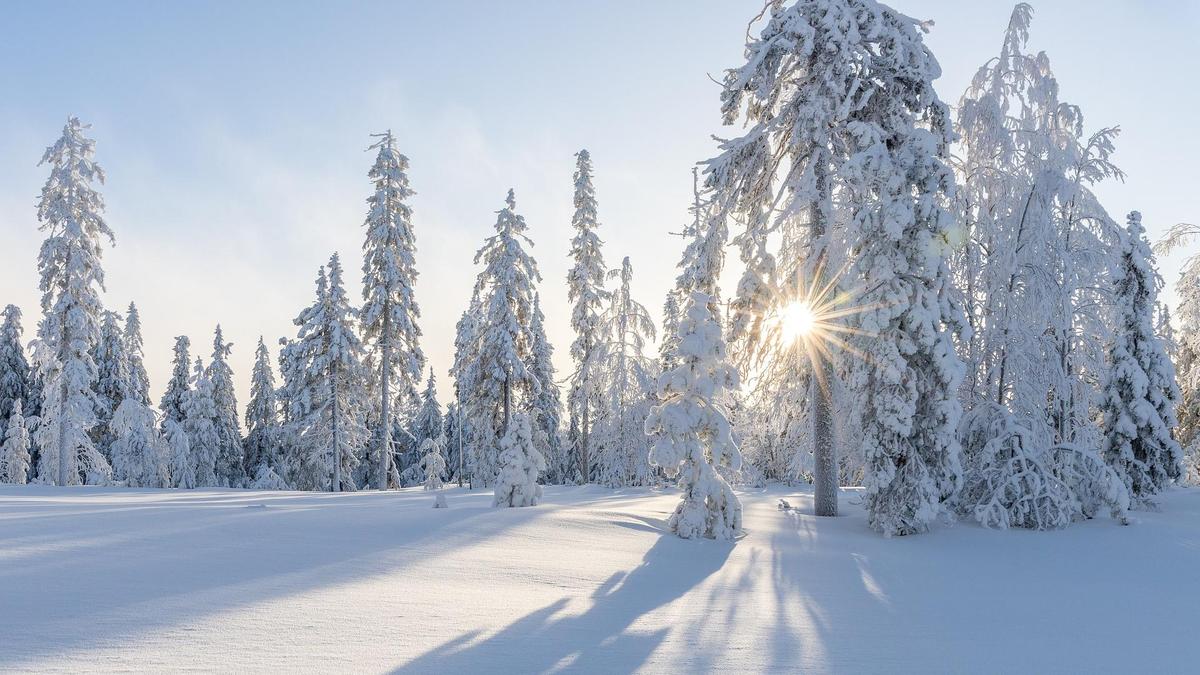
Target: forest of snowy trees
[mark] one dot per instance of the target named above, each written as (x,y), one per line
(941,274)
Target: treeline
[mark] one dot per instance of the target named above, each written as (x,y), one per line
(933,304)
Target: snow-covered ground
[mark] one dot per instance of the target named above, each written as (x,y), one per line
(155,580)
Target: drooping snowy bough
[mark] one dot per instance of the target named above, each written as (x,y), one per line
(519,465)
(625,380)
(691,429)
(1013,479)
(1031,257)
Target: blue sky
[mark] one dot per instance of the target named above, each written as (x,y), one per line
(234,135)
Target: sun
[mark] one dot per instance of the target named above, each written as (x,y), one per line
(797,320)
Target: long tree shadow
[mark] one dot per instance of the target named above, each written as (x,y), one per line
(598,640)
(182,562)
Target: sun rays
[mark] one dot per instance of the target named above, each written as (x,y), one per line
(810,314)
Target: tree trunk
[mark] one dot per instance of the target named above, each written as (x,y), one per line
(504,428)
(825,473)
(385,434)
(584,461)
(63,452)
(825,478)
(337,459)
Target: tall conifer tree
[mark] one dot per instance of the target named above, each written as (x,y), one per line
(390,312)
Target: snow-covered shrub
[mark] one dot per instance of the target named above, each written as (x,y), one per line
(1093,482)
(519,463)
(1013,479)
(266,479)
(1008,482)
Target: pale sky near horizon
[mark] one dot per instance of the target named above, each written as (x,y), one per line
(233,135)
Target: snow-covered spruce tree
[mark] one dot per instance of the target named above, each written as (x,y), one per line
(911,371)
(135,353)
(585,290)
(840,101)
(464,370)
(427,422)
(670,332)
(406,444)
(802,94)
(501,375)
(1140,392)
(701,262)
(390,311)
(626,384)
(231,470)
(16,378)
(433,462)
(140,456)
(263,442)
(200,423)
(113,379)
(14,452)
(69,211)
(306,467)
(180,465)
(519,463)
(455,439)
(545,405)
(171,404)
(293,407)
(330,350)
(690,427)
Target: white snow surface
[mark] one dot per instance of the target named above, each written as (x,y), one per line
(107,579)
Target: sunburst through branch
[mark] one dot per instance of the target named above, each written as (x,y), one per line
(810,314)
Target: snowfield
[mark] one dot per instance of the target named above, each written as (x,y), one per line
(160,580)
